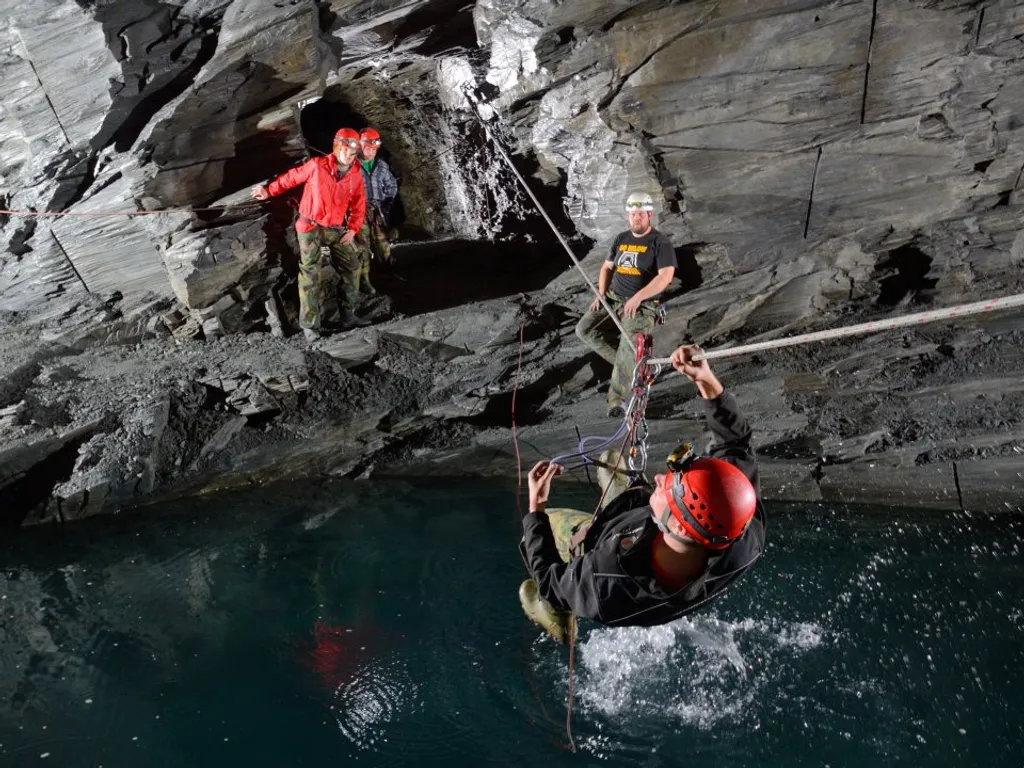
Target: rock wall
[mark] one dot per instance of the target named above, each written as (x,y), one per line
(815,163)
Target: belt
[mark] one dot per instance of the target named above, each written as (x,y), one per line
(308,220)
(652,304)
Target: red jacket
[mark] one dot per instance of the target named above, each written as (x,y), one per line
(325,198)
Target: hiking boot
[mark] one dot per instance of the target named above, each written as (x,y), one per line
(616,412)
(311,334)
(559,624)
(366,288)
(350,321)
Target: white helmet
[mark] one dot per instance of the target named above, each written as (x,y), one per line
(639,201)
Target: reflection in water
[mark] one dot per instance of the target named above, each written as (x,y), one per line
(365,692)
(380,623)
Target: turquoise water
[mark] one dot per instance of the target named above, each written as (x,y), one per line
(379,624)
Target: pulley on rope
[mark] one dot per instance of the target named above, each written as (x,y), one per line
(644,374)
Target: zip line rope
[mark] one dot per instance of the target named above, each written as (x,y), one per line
(962,310)
(918,318)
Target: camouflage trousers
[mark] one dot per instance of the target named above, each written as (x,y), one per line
(373,244)
(569,526)
(598,331)
(346,262)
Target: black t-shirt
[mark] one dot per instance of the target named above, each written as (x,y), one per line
(638,259)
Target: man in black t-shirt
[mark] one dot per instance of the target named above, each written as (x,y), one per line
(640,266)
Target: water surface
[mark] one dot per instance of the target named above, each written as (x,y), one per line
(379,623)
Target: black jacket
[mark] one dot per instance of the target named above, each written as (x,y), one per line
(613,581)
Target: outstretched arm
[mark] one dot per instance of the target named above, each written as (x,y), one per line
(298,175)
(732,431)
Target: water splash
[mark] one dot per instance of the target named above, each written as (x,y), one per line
(696,672)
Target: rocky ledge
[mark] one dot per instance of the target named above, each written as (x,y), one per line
(927,417)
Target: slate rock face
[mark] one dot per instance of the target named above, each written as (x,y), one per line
(815,164)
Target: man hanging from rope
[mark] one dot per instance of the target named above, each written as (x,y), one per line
(640,266)
(650,555)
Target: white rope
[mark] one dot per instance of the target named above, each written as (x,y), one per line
(497,145)
(918,318)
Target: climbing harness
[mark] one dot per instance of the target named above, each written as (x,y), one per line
(633,430)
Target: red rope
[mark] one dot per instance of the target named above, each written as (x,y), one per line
(519,493)
(94,214)
(573,624)
(572,665)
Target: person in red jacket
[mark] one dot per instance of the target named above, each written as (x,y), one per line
(331,213)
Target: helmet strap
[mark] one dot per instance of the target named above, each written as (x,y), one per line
(662,523)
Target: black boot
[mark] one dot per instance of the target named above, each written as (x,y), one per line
(350,321)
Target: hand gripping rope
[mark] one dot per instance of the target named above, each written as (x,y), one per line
(648,368)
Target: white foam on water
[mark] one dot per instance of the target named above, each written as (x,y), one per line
(803,635)
(695,671)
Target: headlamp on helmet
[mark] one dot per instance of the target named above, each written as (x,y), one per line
(640,201)
(346,137)
(370,137)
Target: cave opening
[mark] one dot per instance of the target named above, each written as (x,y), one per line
(431,270)
(523,256)
(34,488)
(911,266)
(321,119)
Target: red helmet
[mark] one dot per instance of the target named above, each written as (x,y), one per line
(347,136)
(712,500)
(370,136)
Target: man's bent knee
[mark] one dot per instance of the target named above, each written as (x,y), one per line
(581,330)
